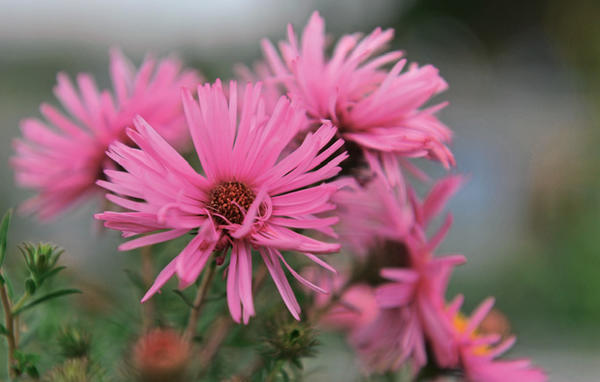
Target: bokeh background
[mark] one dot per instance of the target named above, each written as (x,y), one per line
(524,104)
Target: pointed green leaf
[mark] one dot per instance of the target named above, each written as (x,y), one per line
(9,287)
(4,234)
(135,279)
(217,297)
(46,297)
(50,274)
(3,330)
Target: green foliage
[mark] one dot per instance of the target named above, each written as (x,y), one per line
(26,364)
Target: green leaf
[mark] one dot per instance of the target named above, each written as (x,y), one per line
(183,298)
(9,287)
(3,330)
(3,235)
(46,297)
(217,297)
(50,273)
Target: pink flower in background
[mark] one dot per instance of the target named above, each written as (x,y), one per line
(61,158)
(248,197)
(479,350)
(411,306)
(380,110)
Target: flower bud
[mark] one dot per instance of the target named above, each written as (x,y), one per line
(73,370)
(40,261)
(74,342)
(161,355)
(290,341)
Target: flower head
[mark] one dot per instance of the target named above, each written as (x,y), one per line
(478,350)
(411,305)
(381,111)
(410,287)
(249,197)
(61,158)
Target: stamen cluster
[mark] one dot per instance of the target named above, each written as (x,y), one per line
(230,201)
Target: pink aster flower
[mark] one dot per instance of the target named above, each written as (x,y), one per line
(61,158)
(249,197)
(412,307)
(411,301)
(379,110)
(479,350)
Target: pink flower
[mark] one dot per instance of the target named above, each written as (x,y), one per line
(249,196)
(62,158)
(478,350)
(411,306)
(377,109)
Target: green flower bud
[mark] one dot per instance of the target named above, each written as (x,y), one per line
(74,342)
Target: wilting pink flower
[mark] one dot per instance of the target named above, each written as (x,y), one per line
(479,350)
(250,196)
(380,110)
(61,158)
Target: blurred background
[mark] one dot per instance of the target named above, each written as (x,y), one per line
(524,93)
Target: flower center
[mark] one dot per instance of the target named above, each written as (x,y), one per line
(230,201)
(385,254)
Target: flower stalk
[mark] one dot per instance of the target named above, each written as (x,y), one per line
(190,331)
(147,276)
(9,325)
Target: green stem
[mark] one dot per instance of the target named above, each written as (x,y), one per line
(221,328)
(21,301)
(10,332)
(198,302)
(147,276)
